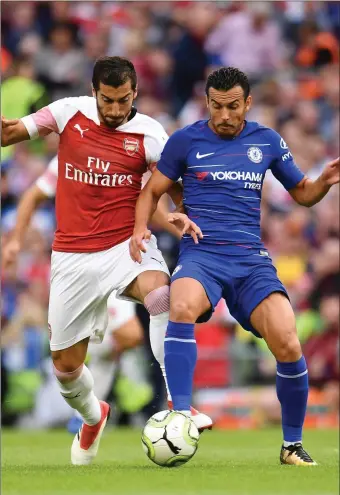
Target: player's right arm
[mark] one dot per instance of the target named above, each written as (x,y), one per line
(12,132)
(39,192)
(169,169)
(52,118)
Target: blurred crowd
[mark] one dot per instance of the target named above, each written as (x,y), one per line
(290,50)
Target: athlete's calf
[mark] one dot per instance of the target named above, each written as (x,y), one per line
(274,319)
(76,382)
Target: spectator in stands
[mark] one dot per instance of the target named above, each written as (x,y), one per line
(316,48)
(21,94)
(61,65)
(248,39)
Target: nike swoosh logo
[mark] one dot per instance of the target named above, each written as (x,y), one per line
(198,156)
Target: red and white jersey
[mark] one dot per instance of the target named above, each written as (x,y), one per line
(47,182)
(99,171)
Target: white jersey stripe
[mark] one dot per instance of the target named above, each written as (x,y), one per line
(249,197)
(244,232)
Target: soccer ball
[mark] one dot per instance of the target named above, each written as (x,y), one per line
(170,438)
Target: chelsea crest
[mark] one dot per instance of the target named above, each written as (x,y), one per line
(255,154)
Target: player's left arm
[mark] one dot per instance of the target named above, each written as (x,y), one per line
(160,219)
(304,191)
(146,206)
(309,192)
(169,169)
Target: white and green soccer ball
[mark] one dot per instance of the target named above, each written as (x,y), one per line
(170,438)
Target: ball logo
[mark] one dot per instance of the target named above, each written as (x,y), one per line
(255,154)
(131,146)
(176,270)
(283,144)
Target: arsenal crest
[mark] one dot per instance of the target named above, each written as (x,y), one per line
(131,146)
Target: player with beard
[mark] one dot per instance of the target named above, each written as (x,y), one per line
(223,162)
(105,147)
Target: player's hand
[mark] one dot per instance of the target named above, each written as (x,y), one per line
(6,125)
(8,122)
(137,244)
(187,226)
(10,253)
(331,174)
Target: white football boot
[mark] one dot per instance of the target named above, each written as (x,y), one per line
(86,442)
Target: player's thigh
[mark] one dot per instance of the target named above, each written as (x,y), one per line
(274,320)
(140,279)
(195,288)
(145,283)
(77,307)
(188,300)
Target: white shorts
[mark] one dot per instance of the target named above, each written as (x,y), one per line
(81,284)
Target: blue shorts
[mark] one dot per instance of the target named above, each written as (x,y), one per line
(242,281)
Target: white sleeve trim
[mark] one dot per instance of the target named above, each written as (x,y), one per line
(47,182)
(31,127)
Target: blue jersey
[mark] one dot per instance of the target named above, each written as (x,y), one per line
(223,179)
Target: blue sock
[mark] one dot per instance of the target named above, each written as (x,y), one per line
(180,360)
(292,392)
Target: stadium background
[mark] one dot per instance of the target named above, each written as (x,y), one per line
(290,51)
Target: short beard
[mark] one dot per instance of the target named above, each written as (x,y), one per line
(108,123)
(235,131)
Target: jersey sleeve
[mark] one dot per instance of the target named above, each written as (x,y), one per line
(52,118)
(154,142)
(173,160)
(283,165)
(47,182)
(146,177)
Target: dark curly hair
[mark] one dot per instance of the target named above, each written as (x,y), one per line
(113,71)
(226,78)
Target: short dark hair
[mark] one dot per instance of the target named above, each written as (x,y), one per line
(113,71)
(226,78)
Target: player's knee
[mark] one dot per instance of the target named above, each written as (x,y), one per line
(288,348)
(183,311)
(65,362)
(158,300)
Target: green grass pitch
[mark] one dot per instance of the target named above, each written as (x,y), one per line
(227,462)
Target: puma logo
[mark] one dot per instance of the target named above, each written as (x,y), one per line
(77,126)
